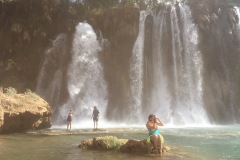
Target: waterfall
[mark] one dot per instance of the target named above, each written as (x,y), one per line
(160,98)
(169,72)
(176,83)
(189,84)
(136,69)
(51,76)
(78,72)
(86,85)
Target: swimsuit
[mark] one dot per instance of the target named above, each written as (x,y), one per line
(156,131)
(69,118)
(95,115)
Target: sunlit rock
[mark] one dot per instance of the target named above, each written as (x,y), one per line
(131,146)
(21,112)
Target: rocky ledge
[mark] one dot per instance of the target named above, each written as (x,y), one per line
(22,112)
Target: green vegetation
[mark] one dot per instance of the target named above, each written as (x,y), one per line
(31,95)
(111,142)
(28,94)
(10,91)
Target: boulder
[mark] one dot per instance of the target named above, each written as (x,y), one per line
(131,146)
(22,112)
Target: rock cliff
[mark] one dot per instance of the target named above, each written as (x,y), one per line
(21,112)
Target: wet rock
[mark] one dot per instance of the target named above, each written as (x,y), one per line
(213,18)
(204,22)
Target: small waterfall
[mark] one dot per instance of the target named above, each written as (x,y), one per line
(189,101)
(177,49)
(51,76)
(79,74)
(86,84)
(238,14)
(175,69)
(136,69)
(160,98)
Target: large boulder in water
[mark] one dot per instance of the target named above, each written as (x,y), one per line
(131,146)
(21,112)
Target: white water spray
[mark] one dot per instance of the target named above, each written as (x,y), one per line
(160,95)
(51,76)
(136,68)
(86,84)
(189,102)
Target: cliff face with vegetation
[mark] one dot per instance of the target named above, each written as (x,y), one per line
(30,26)
(27,27)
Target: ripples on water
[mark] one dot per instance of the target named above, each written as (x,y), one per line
(211,143)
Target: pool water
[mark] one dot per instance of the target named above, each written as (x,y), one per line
(202,143)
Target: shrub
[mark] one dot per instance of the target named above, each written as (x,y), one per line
(29,94)
(112,142)
(10,91)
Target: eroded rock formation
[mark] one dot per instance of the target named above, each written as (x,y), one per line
(21,112)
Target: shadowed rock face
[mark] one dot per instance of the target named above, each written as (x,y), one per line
(21,113)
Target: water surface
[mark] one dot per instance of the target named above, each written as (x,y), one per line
(193,143)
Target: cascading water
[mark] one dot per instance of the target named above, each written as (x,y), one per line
(189,84)
(136,69)
(171,73)
(160,99)
(238,25)
(83,77)
(86,84)
(51,77)
(182,105)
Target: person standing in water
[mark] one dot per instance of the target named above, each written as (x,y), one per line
(95,116)
(69,120)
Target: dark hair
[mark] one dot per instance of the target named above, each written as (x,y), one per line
(150,116)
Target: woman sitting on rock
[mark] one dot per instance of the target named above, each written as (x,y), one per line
(154,133)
